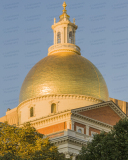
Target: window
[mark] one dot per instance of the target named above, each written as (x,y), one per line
(70,37)
(58,37)
(31,112)
(80,130)
(53,108)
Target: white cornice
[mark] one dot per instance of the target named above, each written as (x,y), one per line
(99,105)
(82,117)
(51,119)
(60,96)
(64,22)
(64,139)
(69,136)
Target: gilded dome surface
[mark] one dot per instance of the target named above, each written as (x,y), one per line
(64,73)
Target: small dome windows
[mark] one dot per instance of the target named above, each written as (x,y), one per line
(31,112)
(58,37)
(71,39)
(53,108)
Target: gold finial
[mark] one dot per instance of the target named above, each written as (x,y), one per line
(64,14)
(64,6)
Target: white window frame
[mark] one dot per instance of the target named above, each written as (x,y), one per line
(50,103)
(77,128)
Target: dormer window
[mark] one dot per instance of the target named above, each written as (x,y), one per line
(70,37)
(58,37)
(31,112)
(53,108)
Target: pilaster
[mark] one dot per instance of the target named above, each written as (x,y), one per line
(87,130)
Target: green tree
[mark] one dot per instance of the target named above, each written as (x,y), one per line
(108,146)
(26,144)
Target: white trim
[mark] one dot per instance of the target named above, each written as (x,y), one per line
(56,102)
(58,96)
(88,120)
(87,130)
(81,128)
(92,124)
(111,104)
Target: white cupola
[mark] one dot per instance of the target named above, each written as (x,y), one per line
(64,33)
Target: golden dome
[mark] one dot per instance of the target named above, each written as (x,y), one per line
(64,73)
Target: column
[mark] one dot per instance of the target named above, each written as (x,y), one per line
(87,130)
(66,35)
(68,124)
(72,125)
(54,37)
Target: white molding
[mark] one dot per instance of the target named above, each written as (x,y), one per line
(82,129)
(56,102)
(86,119)
(58,96)
(50,120)
(87,130)
(91,124)
(99,105)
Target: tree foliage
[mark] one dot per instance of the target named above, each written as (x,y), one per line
(26,144)
(108,146)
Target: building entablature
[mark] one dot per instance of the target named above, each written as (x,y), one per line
(51,119)
(103,104)
(59,96)
(33,109)
(63,23)
(69,135)
(90,122)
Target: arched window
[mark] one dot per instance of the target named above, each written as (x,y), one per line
(58,37)
(53,108)
(31,112)
(80,130)
(70,37)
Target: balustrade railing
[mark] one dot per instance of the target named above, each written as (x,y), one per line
(67,45)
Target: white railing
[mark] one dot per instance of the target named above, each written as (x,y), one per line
(63,46)
(70,133)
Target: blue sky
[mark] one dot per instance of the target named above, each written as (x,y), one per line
(26,34)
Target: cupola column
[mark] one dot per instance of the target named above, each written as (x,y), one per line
(54,37)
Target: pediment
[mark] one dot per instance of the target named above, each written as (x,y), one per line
(106,112)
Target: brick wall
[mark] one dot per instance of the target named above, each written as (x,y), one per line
(53,128)
(103,114)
